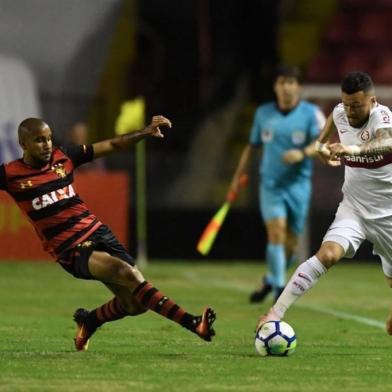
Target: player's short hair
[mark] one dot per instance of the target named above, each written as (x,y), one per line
(288,71)
(356,81)
(29,125)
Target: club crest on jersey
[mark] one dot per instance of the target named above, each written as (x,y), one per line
(27,184)
(298,137)
(53,197)
(266,135)
(365,135)
(59,169)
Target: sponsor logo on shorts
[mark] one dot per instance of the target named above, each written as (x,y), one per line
(85,244)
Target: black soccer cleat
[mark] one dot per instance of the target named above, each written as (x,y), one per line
(260,294)
(83,334)
(204,326)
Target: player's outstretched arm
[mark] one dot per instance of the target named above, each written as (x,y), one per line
(122,142)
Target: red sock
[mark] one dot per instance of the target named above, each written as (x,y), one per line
(151,298)
(110,311)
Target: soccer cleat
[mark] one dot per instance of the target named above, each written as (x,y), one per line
(260,294)
(204,327)
(269,316)
(83,335)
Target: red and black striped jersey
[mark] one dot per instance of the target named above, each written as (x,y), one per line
(46,195)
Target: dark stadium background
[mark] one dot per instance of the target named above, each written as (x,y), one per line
(205,64)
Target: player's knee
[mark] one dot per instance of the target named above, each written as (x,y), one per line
(327,256)
(276,231)
(389,282)
(127,274)
(276,236)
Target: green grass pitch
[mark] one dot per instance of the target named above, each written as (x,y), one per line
(335,352)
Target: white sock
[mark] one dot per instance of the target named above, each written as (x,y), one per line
(304,278)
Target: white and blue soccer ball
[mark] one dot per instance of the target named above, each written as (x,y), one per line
(275,338)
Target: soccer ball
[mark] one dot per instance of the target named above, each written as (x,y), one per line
(275,338)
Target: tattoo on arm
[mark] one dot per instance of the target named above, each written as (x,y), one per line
(381,144)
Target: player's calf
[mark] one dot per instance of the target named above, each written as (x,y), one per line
(152,298)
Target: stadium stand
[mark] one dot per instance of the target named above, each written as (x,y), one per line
(354,38)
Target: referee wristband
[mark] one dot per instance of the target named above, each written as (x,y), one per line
(320,147)
(353,149)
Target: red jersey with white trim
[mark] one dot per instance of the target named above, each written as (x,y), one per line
(368,179)
(47,197)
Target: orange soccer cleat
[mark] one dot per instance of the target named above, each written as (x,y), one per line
(83,335)
(204,327)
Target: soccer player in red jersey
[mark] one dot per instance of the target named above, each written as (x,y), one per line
(41,184)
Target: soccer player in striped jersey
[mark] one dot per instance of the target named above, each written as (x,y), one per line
(41,183)
(364,127)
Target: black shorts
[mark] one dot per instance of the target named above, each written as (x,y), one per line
(75,260)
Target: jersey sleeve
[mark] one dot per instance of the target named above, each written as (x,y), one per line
(79,154)
(381,118)
(317,122)
(255,132)
(2,177)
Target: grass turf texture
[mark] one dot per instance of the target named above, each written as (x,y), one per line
(150,353)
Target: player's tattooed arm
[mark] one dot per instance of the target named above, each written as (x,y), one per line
(124,141)
(381,144)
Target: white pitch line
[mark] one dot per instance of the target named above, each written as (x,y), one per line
(316,308)
(344,315)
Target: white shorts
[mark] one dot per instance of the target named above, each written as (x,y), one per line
(349,230)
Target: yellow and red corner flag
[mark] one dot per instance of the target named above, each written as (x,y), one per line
(209,234)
